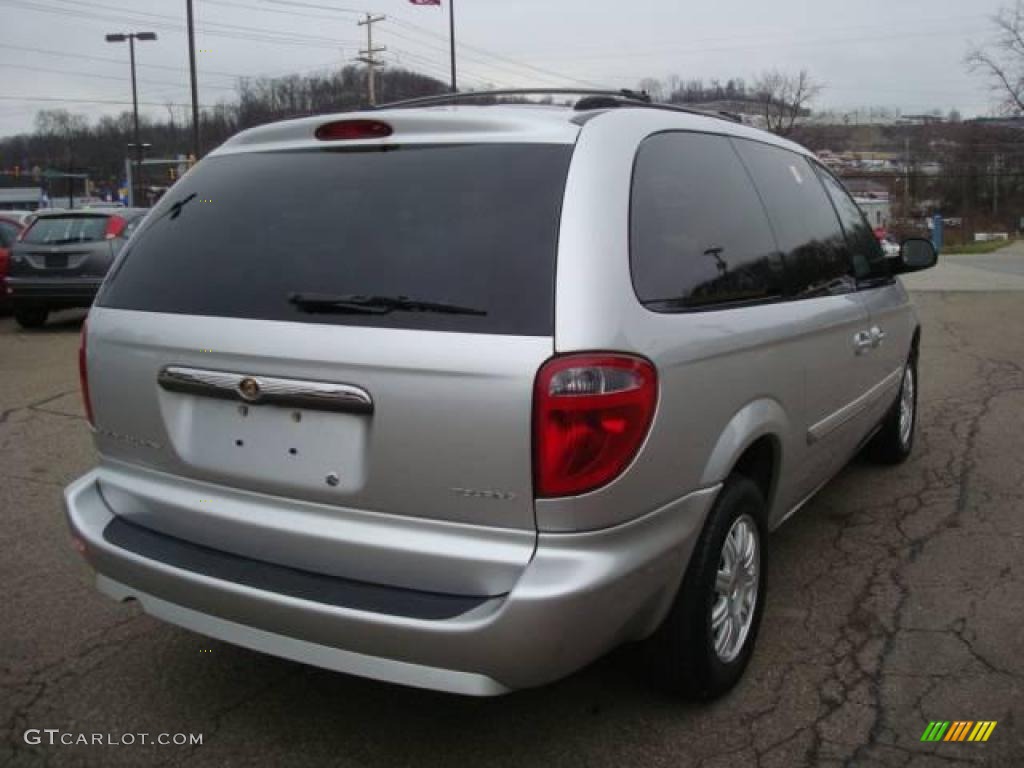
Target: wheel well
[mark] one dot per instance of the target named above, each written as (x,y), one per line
(915,342)
(759,463)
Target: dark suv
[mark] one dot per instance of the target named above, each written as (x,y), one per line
(61,259)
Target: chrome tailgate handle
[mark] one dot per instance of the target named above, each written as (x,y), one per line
(266,390)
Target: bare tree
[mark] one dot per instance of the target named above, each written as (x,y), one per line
(785,97)
(1002,61)
(653,87)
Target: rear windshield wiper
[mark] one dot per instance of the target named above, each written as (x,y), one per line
(373,305)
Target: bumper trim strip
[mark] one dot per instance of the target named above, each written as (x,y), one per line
(305,585)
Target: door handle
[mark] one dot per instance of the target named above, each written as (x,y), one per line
(877,336)
(862,342)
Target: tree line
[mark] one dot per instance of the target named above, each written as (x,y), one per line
(68,142)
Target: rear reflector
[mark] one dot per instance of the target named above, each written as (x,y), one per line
(343,130)
(115,226)
(83,371)
(591,414)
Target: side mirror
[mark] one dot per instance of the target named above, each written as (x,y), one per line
(916,253)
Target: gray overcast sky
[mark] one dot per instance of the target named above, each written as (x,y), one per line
(897,53)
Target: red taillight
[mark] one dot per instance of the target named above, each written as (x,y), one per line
(83,372)
(115,226)
(342,130)
(590,415)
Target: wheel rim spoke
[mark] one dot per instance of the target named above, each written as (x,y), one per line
(735,588)
(906,420)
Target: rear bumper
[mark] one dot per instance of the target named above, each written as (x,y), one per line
(49,291)
(581,595)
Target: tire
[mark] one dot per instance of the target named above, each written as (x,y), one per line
(682,656)
(895,440)
(34,317)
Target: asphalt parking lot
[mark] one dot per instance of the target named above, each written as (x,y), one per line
(896,597)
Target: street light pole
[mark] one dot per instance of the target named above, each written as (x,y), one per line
(135,110)
(131,37)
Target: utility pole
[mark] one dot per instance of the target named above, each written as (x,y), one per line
(996,162)
(368,56)
(195,86)
(906,183)
(451,40)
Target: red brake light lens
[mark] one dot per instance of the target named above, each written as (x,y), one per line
(83,371)
(591,414)
(347,130)
(115,226)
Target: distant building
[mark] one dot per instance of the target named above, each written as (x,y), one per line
(20,198)
(921,119)
(862,186)
(877,210)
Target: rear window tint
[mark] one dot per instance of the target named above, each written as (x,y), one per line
(57,230)
(472,225)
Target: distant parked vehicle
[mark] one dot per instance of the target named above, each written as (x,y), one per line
(21,217)
(102,205)
(61,259)
(10,228)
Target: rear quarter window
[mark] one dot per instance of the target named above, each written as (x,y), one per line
(699,236)
(473,225)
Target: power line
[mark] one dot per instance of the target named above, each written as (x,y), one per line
(148,15)
(227,30)
(114,102)
(423,63)
(263,9)
(509,63)
(89,57)
(104,77)
(482,51)
(463,56)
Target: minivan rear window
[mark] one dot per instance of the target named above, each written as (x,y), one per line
(472,225)
(60,230)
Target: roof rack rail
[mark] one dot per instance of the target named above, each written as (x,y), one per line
(448,98)
(593,99)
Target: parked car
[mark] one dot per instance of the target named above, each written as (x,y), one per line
(21,217)
(465,397)
(10,228)
(61,259)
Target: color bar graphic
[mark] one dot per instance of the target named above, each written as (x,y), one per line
(958,730)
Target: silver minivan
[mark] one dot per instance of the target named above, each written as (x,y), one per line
(464,396)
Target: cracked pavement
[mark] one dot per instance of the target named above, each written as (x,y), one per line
(896,597)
